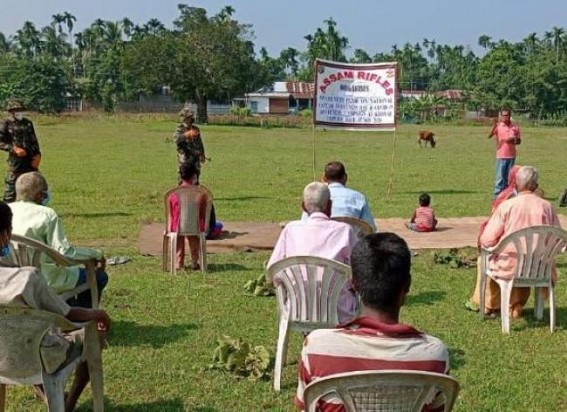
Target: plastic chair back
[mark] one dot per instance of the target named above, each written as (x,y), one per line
(381,391)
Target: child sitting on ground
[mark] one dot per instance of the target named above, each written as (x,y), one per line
(423,218)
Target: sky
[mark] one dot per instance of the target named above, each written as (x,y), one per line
(372,25)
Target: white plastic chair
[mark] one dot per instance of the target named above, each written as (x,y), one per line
(383,390)
(20,360)
(190,198)
(29,252)
(361,228)
(535,249)
(307,292)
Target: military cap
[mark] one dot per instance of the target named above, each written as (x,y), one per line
(14,105)
(187,111)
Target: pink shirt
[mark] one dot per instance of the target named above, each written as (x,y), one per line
(320,236)
(425,218)
(317,236)
(504,149)
(525,210)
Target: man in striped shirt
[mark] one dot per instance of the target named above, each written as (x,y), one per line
(376,340)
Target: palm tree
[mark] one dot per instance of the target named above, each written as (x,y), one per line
(69,21)
(485,42)
(327,44)
(28,40)
(53,43)
(557,36)
(154,27)
(226,13)
(57,20)
(4,44)
(127,26)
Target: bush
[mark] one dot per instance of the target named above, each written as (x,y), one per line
(240,111)
(306,113)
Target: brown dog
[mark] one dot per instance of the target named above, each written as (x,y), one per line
(427,137)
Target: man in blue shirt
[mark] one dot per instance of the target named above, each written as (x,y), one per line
(346,202)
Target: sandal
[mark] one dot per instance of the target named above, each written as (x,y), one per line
(473,307)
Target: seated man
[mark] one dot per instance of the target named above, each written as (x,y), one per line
(26,287)
(525,210)
(346,202)
(319,236)
(376,340)
(33,219)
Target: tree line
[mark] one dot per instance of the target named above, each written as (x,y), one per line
(212,57)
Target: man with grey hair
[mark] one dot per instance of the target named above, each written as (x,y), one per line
(33,219)
(525,210)
(319,236)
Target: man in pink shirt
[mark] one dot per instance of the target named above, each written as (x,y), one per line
(507,137)
(525,210)
(319,236)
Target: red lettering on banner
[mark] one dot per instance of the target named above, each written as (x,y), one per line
(335,77)
(362,75)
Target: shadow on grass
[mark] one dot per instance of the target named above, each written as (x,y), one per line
(128,333)
(96,215)
(225,234)
(168,405)
(225,267)
(443,192)
(532,322)
(425,298)
(456,358)
(241,198)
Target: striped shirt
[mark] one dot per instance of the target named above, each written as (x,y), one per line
(425,218)
(366,344)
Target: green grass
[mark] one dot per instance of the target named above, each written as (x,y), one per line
(108,174)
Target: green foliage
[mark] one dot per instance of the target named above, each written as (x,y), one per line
(240,358)
(456,258)
(307,113)
(216,59)
(259,287)
(240,111)
(40,83)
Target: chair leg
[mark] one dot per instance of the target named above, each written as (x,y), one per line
(55,393)
(552,309)
(2,398)
(97,385)
(172,253)
(281,352)
(165,253)
(539,303)
(203,252)
(505,292)
(93,357)
(482,299)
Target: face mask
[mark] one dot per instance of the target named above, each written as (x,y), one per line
(46,198)
(19,115)
(5,251)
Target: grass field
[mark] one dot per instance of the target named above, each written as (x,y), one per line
(108,174)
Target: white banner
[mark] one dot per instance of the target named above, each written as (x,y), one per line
(355,96)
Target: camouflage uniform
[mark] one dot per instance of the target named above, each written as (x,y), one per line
(189,150)
(17,133)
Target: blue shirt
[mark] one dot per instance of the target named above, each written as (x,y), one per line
(348,202)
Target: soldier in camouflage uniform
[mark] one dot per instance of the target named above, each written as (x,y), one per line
(190,147)
(17,137)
